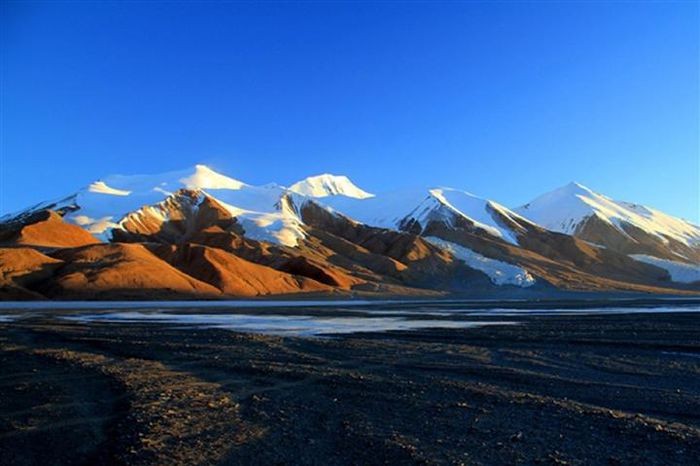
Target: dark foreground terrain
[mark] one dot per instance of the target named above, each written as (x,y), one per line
(615,389)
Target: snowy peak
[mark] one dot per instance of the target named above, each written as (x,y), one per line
(328,185)
(562,209)
(477,210)
(566,210)
(264,214)
(197,177)
(576,187)
(204,177)
(433,233)
(421,206)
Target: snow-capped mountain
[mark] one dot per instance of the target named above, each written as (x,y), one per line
(212,233)
(416,209)
(328,185)
(630,228)
(566,209)
(110,203)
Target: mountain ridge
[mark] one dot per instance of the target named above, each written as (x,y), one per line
(324,234)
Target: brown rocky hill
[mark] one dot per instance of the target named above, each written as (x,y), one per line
(212,259)
(44,229)
(232,275)
(21,268)
(119,270)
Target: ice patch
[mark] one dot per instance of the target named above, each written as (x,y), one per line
(500,273)
(263,213)
(297,325)
(680,271)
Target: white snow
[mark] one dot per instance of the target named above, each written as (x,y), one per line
(389,210)
(500,273)
(197,177)
(100,212)
(385,210)
(268,212)
(564,209)
(105,205)
(477,210)
(680,271)
(328,185)
(263,212)
(206,178)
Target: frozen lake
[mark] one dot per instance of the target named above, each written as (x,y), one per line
(296,325)
(310,318)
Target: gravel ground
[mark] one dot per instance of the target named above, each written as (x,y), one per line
(601,389)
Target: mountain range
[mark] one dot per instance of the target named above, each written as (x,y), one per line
(197,233)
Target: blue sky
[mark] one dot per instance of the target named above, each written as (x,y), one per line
(506,100)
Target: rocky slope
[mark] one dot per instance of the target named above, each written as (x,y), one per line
(200,234)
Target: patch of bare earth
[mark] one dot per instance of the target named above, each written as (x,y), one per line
(173,417)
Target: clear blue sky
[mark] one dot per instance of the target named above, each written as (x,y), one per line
(506,100)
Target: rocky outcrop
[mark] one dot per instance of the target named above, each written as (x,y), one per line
(175,220)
